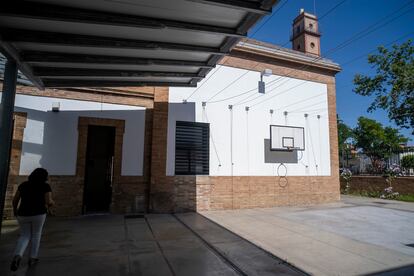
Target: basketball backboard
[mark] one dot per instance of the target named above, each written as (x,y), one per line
(284,138)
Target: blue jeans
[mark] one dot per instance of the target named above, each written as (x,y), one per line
(30,231)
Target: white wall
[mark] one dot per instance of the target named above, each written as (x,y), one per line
(251,128)
(51,138)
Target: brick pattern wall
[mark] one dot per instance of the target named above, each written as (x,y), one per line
(161,190)
(140,96)
(402,185)
(20,119)
(130,192)
(161,193)
(226,192)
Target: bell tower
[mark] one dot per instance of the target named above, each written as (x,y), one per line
(305,35)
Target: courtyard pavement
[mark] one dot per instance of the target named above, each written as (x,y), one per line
(182,244)
(356,236)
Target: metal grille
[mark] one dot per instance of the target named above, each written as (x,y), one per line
(192,149)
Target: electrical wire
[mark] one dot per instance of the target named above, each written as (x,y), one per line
(232,97)
(231,83)
(231,156)
(269,18)
(254,33)
(364,55)
(204,82)
(352,39)
(304,107)
(331,10)
(313,150)
(211,136)
(321,17)
(371,28)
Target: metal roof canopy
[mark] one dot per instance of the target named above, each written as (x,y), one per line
(78,43)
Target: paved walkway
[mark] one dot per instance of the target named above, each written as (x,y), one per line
(184,244)
(354,237)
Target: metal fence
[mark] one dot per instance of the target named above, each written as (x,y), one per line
(361,164)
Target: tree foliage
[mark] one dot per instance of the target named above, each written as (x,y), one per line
(393,84)
(376,141)
(344,134)
(407,162)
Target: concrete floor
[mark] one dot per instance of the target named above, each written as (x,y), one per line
(183,244)
(356,236)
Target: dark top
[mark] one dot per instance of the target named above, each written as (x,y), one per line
(32,201)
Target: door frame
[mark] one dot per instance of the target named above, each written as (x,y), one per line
(83,124)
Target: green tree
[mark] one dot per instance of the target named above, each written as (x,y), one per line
(376,141)
(344,135)
(393,84)
(407,162)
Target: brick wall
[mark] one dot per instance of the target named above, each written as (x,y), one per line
(161,193)
(20,119)
(226,192)
(402,185)
(161,190)
(130,193)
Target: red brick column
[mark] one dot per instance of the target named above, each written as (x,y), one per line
(20,119)
(161,190)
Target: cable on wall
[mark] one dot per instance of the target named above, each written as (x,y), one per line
(231,83)
(231,155)
(211,133)
(283,181)
(319,140)
(307,144)
(232,97)
(248,151)
(247,140)
(311,143)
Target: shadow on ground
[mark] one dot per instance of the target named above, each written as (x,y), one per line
(183,244)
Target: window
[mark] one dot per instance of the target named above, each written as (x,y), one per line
(310,26)
(312,45)
(192,149)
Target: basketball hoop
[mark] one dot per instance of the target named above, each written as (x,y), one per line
(287,138)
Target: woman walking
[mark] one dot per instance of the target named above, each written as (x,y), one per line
(35,197)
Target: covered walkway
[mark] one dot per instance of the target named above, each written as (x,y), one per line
(184,244)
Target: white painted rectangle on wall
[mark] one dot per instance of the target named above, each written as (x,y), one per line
(50,139)
(240,138)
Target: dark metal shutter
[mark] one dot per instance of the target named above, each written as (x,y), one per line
(192,148)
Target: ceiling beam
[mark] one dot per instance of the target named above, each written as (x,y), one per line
(248,6)
(61,83)
(60,39)
(11,53)
(42,11)
(48,72)
(34,57)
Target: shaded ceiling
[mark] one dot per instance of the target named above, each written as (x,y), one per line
(101,43)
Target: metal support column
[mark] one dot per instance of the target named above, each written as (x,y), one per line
(6,127)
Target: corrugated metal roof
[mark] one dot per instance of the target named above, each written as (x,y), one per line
(78,43)
(21,79)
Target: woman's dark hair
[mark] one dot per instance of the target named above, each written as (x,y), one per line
(39,175)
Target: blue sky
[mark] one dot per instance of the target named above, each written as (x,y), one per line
(344,22)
